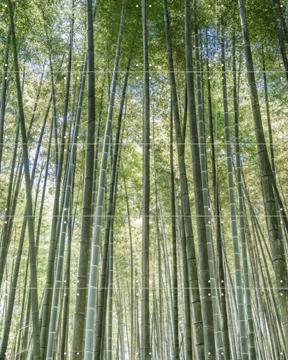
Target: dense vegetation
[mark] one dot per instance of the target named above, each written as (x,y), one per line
(143,153)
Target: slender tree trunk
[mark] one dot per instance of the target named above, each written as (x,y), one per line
(245,269)
(234,231)
(132,275)
(4,93)
(92,285)
(205,249)
(268,113)
(145,317)
(280,29)
(219,238)
(87,211)
(176,353)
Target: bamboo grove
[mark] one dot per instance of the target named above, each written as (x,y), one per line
(143,179)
